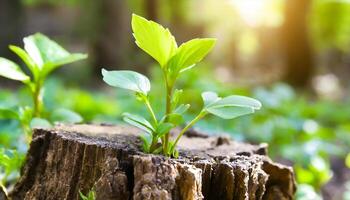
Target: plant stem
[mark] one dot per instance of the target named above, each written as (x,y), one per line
(154,118)
(37,100)
(198,117)
(169,92)
(153,144)
(149,107)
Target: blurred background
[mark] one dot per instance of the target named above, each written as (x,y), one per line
(292,55)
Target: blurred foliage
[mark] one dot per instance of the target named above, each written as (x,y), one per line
(326,31)
(10,163)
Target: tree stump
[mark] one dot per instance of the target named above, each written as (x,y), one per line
(67,159)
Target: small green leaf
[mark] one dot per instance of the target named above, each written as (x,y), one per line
(65,115)
(146,143)
(190,53)
(26,59)
(8,113)
(129,80)
(164,128)
(175,118)
(154,39)
(90,196)
(25,114)
(181,109)
(11,70)
(176,98)
(10,163)
(139,122)
(47,54)
(209,97)
(40,123)
(229,107)
(347,160)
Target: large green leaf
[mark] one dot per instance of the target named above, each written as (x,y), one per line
(190,53)
(229,107)
(138,122)
(47,54)
(154,39)
(129,80)
(12,71)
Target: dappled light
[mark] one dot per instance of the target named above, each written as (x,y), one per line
(251,88)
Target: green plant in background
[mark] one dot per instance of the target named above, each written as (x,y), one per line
(10,162)
(91,195)
(160,44)
(41,56)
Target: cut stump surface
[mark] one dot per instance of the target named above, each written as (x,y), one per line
(67,159)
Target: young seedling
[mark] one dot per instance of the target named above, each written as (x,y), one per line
(41,56)
(91,195)
(160,44)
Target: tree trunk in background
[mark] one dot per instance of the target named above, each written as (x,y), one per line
(10,23)
(298,52)
(10,30)
(113,42)
(152,10)
(68,159)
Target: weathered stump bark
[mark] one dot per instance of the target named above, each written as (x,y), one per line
(2,194)
(68,159)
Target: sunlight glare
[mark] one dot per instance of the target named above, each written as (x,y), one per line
(259,12)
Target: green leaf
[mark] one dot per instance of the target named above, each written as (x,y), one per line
(229,107)
(11,70)
(65,115)
(47,54)
(230,112)
(154,39)
(190,53)
(181,109)
(8,113)
(25,114)
(10,162)
(26,59)
(176,98)
(175,119)
(40,123)
(236,100)
(139,122)
(90,196)
(209,98)
(164,128)
(129,80)
(146,143)
(347,160)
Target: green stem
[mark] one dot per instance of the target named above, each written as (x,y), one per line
(196,119)
(169,92)
(153,144)
(37,100)
(150,110)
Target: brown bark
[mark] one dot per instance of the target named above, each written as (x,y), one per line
(66,159)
